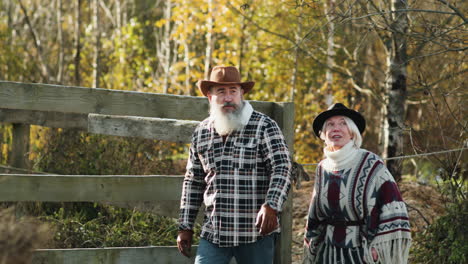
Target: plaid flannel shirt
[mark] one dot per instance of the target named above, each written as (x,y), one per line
(234,179)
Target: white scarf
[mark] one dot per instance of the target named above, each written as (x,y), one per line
(339,159)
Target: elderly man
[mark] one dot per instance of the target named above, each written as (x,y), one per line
(239,166)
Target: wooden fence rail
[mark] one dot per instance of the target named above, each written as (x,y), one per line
(162,191)
(46,100)
(121,255)
(89,188)
(122,113)
(172,130)
(116,255)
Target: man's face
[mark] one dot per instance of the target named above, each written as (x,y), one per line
(229,96)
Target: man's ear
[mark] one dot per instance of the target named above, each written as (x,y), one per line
(208,94)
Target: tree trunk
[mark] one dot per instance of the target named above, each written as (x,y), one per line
(6,74)
(37,44)
(329,12)
(209,40)
(77,42)
(294,74)
(119,25)
(124,7)
(296,56)
(60,41)
(97,44)
(167,46)
(188,87)
(241,44)
(395,88)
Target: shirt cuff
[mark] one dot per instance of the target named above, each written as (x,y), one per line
(183,226)
(273,205)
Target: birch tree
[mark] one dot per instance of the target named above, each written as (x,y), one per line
(61,55)
(329,13)
(97,44)
(77,44)
(165,59)
(209,40)
(44,68)
(395,85)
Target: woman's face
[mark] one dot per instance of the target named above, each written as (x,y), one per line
(337,133)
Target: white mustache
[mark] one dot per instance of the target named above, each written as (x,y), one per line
(230,104)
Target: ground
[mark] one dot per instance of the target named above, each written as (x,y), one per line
(424,204)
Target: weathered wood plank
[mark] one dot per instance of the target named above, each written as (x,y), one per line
(69,99)
(116,255)
(83,188)
(172,130)
(20,148)
(44,118)
(140,255)
(145,127)
(284,115)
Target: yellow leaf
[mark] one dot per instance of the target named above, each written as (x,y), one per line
(160,23)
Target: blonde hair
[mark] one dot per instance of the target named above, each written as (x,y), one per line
(353,131)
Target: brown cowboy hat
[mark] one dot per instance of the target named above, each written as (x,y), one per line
(338,109)
(223,75)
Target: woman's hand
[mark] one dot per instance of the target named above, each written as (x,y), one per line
(375,255)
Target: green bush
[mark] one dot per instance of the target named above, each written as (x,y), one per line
(88,225)
(91,225)
(74,152)
(445,241)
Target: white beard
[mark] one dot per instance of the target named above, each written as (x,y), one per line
(226,123)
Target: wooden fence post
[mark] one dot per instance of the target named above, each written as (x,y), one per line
(284,116)
(20,156)
(20,148)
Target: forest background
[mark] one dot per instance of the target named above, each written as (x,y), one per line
(403,64)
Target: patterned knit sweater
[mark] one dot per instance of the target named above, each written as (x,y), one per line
(354,185)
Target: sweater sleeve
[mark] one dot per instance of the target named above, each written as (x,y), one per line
(388,227)
(314,231)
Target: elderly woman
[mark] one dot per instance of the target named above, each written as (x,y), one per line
(356,214)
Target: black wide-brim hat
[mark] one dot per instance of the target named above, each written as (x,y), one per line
(338,109)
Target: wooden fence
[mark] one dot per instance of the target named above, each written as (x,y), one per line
(122,113)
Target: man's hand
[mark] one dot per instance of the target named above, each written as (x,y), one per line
(266,220)
(184,242)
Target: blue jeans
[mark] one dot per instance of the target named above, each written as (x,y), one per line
(260,252)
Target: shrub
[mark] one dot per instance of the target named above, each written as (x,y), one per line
(73,152)
(445,241)
(90,225)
